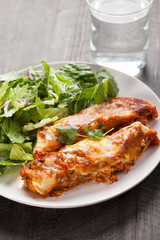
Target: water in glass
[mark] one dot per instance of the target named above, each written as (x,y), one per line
(119,37)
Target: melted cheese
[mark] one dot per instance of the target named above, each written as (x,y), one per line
(89,158)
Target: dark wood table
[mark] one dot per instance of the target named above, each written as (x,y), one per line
(59,30)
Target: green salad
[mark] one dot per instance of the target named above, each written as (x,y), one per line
(40,97)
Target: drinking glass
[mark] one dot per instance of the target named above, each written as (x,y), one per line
(120,33)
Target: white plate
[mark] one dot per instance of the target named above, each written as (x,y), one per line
(11,185)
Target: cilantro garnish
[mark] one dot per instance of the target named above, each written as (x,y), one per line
(68,133)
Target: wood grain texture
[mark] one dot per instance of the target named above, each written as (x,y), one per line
(59,30)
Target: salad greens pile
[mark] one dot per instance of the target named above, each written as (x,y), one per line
(30,101)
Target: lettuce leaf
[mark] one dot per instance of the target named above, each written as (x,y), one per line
(104,89)
(32,126)
(14,155)
(12,76)
(13,131)
(80,74)
(18,153)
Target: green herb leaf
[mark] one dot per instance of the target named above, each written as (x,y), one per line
(66,129)
(101,126)
(94,133)
(68,133)
(67,138)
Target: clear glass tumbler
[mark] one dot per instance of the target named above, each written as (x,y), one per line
(119,33)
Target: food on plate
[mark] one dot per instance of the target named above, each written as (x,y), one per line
(89,159)
(46,99)
(38,97)
(115,113)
